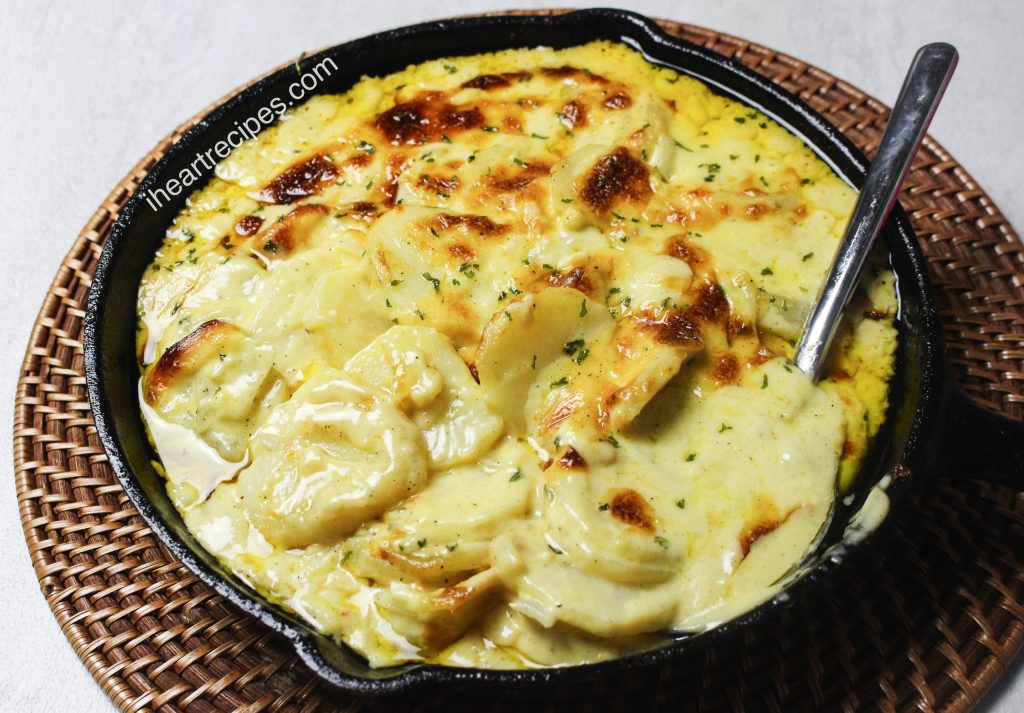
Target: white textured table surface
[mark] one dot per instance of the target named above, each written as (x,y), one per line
(87,88)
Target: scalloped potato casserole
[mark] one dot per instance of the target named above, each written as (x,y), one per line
(486,362)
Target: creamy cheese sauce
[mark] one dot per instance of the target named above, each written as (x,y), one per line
(486,362)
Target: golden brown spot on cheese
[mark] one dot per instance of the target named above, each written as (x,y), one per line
(756,211)
(738,328)
(179,356)
(572,115)
(875,314)
(681,249)
(425,118)
(511,185)
(249,225)
(565,72)
(616,176)
(767,524)
(439,184)
(480,224)
(364,210)
(756,532)
(711,304)
(461,252)
(287,234)
(697,208)
(674,327)
(630,507)
(473,371)
(801,211)
(392,173)
(762,355)
(358,160)
(849,448)
(486,82)
(300,180)
(575,278)
(459,308)
(503,182)
(563,407)
(618,100)
(725,368)
(572,460)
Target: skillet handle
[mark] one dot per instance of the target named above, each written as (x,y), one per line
(977,443)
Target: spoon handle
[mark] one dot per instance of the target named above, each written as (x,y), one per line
(922,89)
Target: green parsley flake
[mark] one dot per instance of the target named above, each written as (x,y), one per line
(573,346)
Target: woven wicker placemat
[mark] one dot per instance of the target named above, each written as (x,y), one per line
(927,619)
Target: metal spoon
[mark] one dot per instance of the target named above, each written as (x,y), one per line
(922,90)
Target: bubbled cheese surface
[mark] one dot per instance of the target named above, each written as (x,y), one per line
(486,362)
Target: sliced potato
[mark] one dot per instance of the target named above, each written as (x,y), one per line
(327,460)
(421,374)
(558,365)
(218,382)
(525,341)
(544,585)
(435,619)
(438,265)
(414,545)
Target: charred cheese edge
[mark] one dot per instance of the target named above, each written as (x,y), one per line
(486,362)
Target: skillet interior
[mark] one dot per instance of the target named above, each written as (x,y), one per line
(113,373)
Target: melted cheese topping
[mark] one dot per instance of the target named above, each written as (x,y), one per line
(486,362)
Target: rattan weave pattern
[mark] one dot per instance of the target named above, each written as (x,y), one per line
(927,620)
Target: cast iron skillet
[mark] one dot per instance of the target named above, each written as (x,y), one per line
(932,429)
